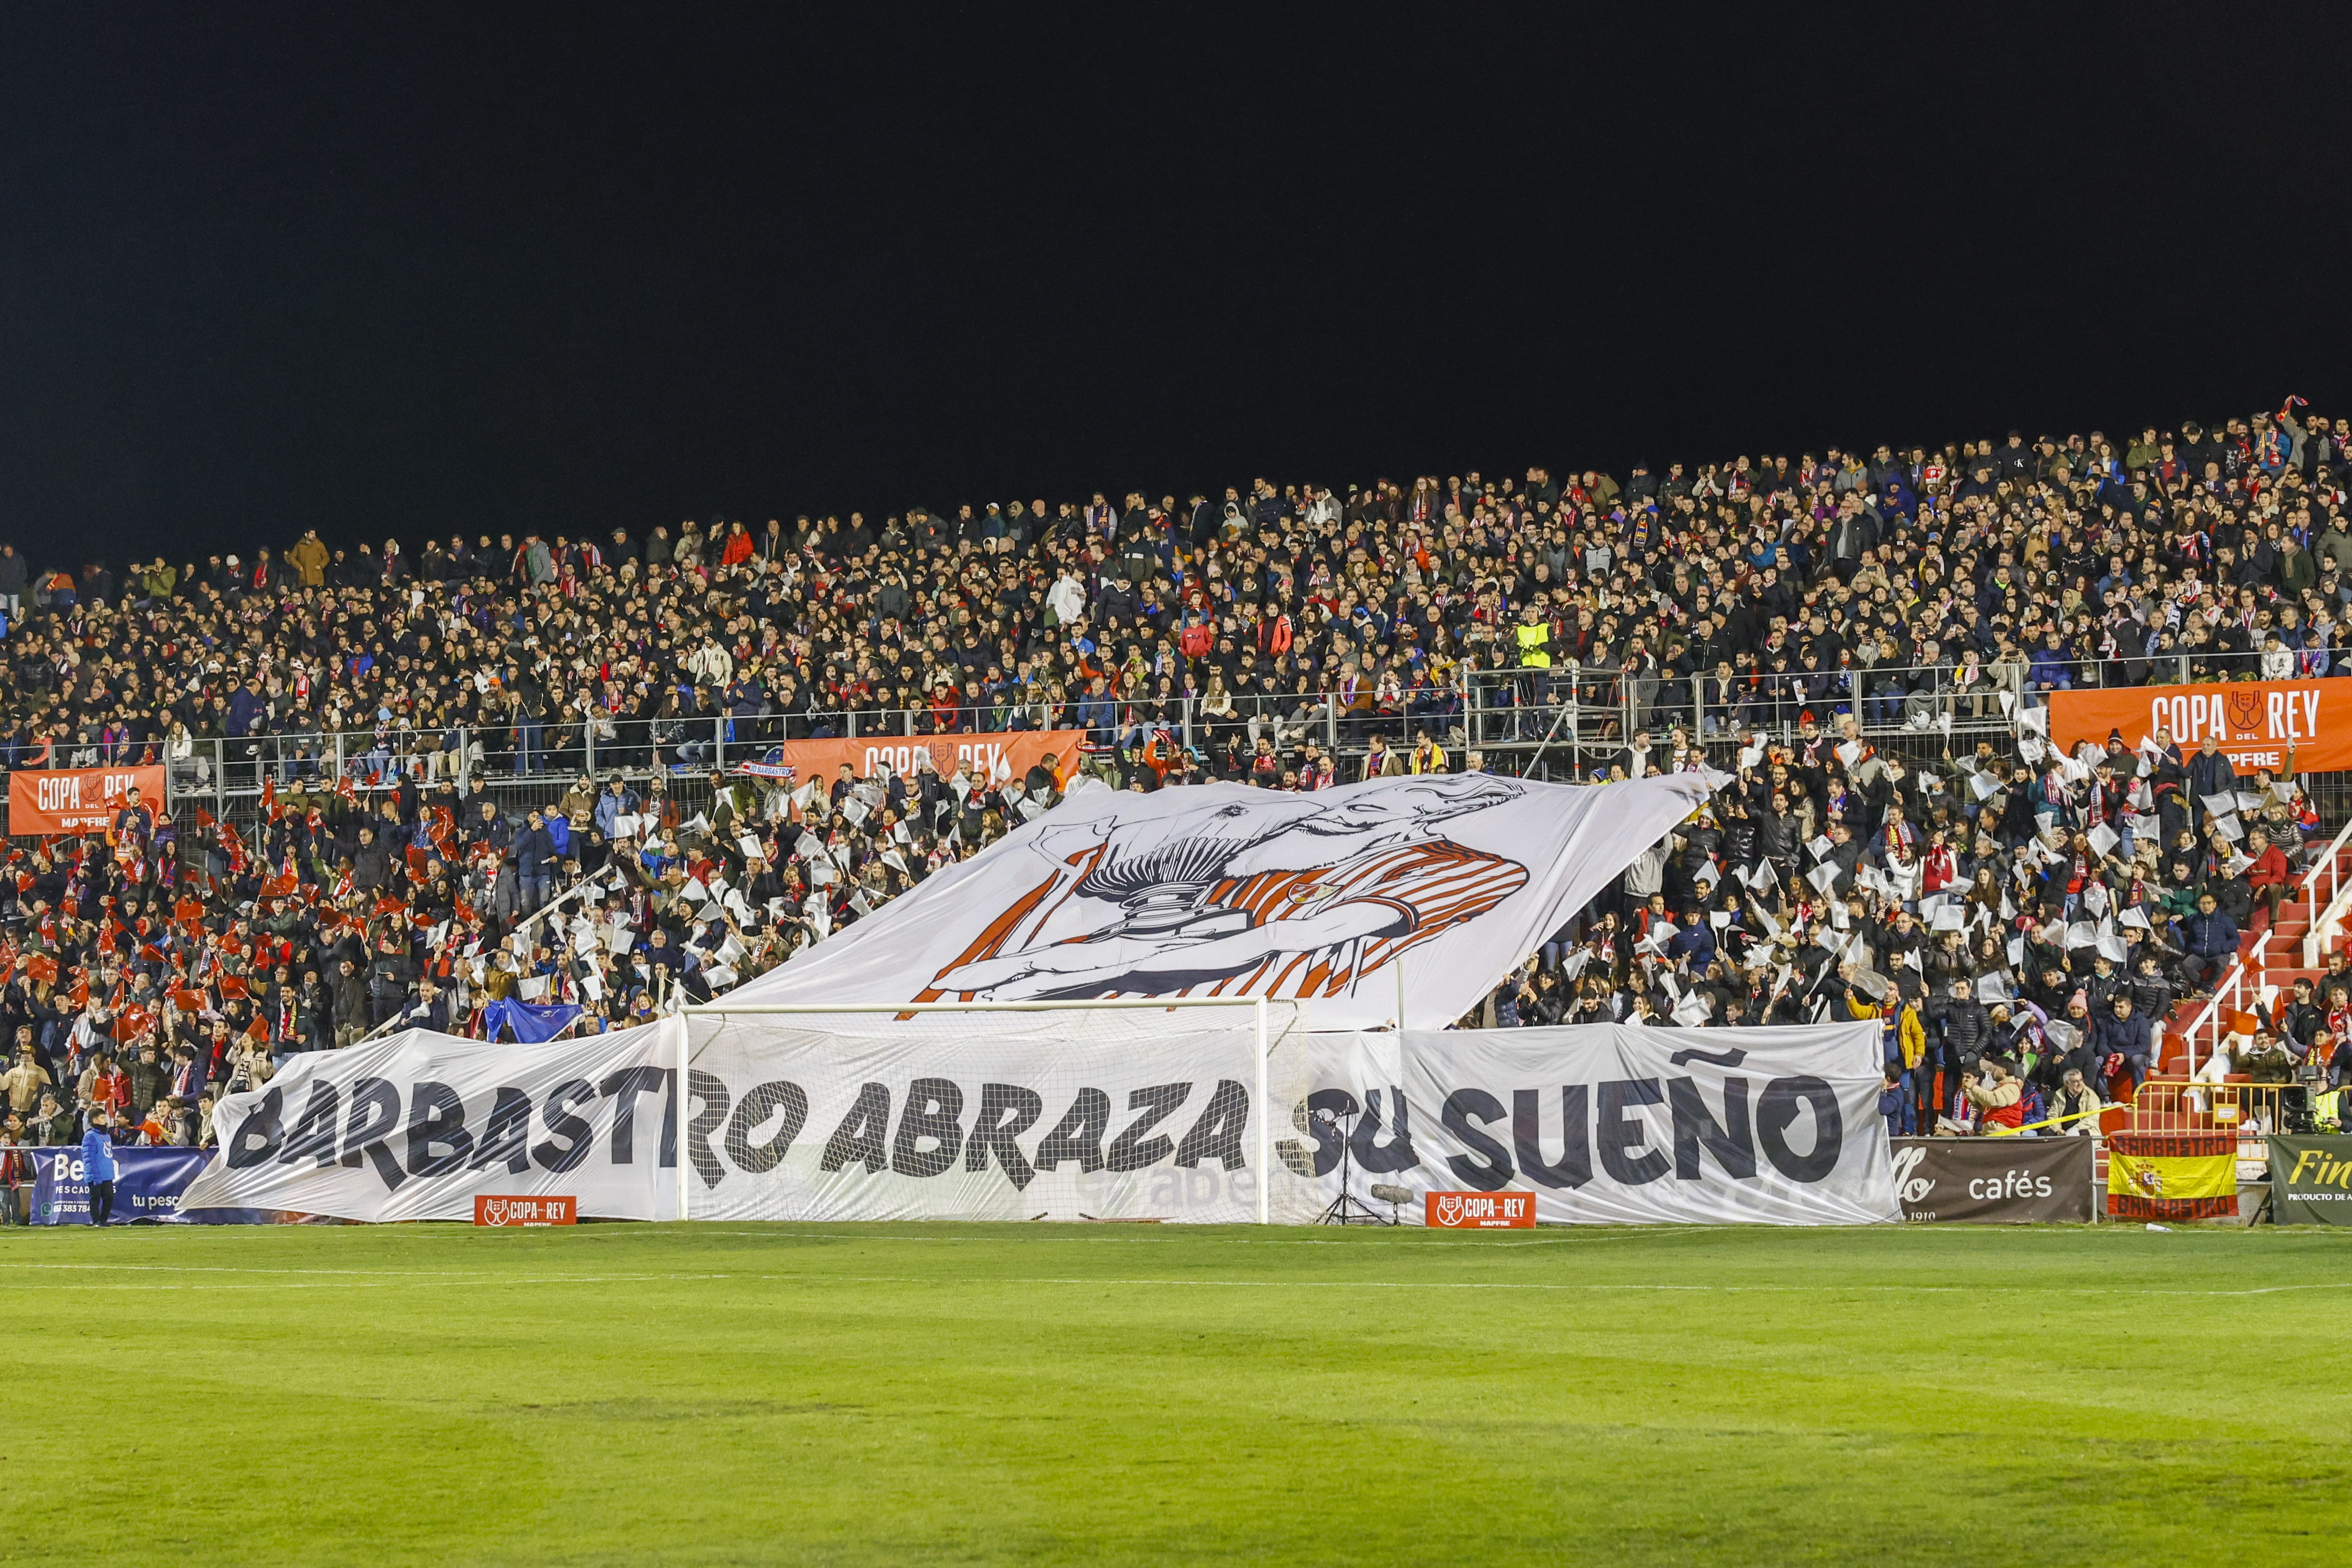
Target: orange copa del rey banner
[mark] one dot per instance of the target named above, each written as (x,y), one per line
(1019,749)
(526,1211)
(76,800)
(2256,721)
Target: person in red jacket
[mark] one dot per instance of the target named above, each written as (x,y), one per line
(2268,876)
(106,1084)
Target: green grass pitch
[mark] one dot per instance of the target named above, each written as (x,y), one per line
(715,1393)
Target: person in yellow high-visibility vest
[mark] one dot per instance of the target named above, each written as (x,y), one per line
(1535,639)
(1534,634)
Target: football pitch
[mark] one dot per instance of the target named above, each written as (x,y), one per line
(718,1394)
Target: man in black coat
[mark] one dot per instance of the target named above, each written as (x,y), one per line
(2120,1031)
(1965,1028)
(2211,771)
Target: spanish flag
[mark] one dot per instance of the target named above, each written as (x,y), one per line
(2172,1175)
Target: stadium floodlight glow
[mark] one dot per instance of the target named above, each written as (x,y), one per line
(722,1008)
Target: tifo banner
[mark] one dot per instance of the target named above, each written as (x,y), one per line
(1599,1123)
(2255,721)
(2172,1175)
(77,800)
(1420,890)
(148,1184)
(2311,1181)
(1995,1180)
(416,1125)
(1101,1115)
(1012,753)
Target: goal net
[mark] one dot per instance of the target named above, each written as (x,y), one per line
(979,1112)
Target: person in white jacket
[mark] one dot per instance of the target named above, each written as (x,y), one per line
(1067,598)
(711,664)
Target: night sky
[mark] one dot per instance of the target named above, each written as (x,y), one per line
(404,270)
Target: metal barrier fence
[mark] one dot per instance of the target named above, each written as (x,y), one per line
(2253,1110)
(1582,719)
(1563,721)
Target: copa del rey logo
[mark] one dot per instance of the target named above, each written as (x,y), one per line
(526,1211)
(1480,1211)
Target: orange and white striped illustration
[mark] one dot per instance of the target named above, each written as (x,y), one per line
(1291,898)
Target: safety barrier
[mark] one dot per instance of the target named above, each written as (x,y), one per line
(2327,920)
(2252,1112)
(2242,981)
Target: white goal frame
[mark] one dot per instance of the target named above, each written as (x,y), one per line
(1257,1004)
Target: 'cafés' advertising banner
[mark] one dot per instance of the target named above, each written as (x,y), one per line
(1995,1180)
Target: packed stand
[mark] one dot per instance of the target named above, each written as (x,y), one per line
(2020,921)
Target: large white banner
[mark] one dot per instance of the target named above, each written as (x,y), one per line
(1424,891)
(1062,1116)
(416,1125)
(1071,1115)
(1601,1124)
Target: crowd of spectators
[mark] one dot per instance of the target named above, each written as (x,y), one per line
(2022,922)
(2021,919)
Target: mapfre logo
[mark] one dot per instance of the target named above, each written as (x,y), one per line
(1910,1188)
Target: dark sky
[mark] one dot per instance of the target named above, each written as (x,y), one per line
(403,269)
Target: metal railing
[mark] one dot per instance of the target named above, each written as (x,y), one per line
(1568,711)
(2253,1110)
(2244,974)
(2329,919)
(1564,719)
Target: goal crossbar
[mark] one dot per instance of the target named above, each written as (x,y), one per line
(1256,1005)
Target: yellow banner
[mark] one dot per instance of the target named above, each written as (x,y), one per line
(2176,1176)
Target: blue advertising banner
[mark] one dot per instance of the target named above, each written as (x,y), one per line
(148,1184)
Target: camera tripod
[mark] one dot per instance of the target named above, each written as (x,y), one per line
(1347,1208)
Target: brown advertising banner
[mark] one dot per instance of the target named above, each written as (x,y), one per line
(2311,1181)
(2254,721)
(1019,751)
(76,800)
(1994,1181)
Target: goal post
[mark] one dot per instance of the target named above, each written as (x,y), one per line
(1257,1007)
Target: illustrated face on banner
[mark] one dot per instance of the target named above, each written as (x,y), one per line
(1367,902)
(1295,897)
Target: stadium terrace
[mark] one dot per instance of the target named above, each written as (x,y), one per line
(521,786)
